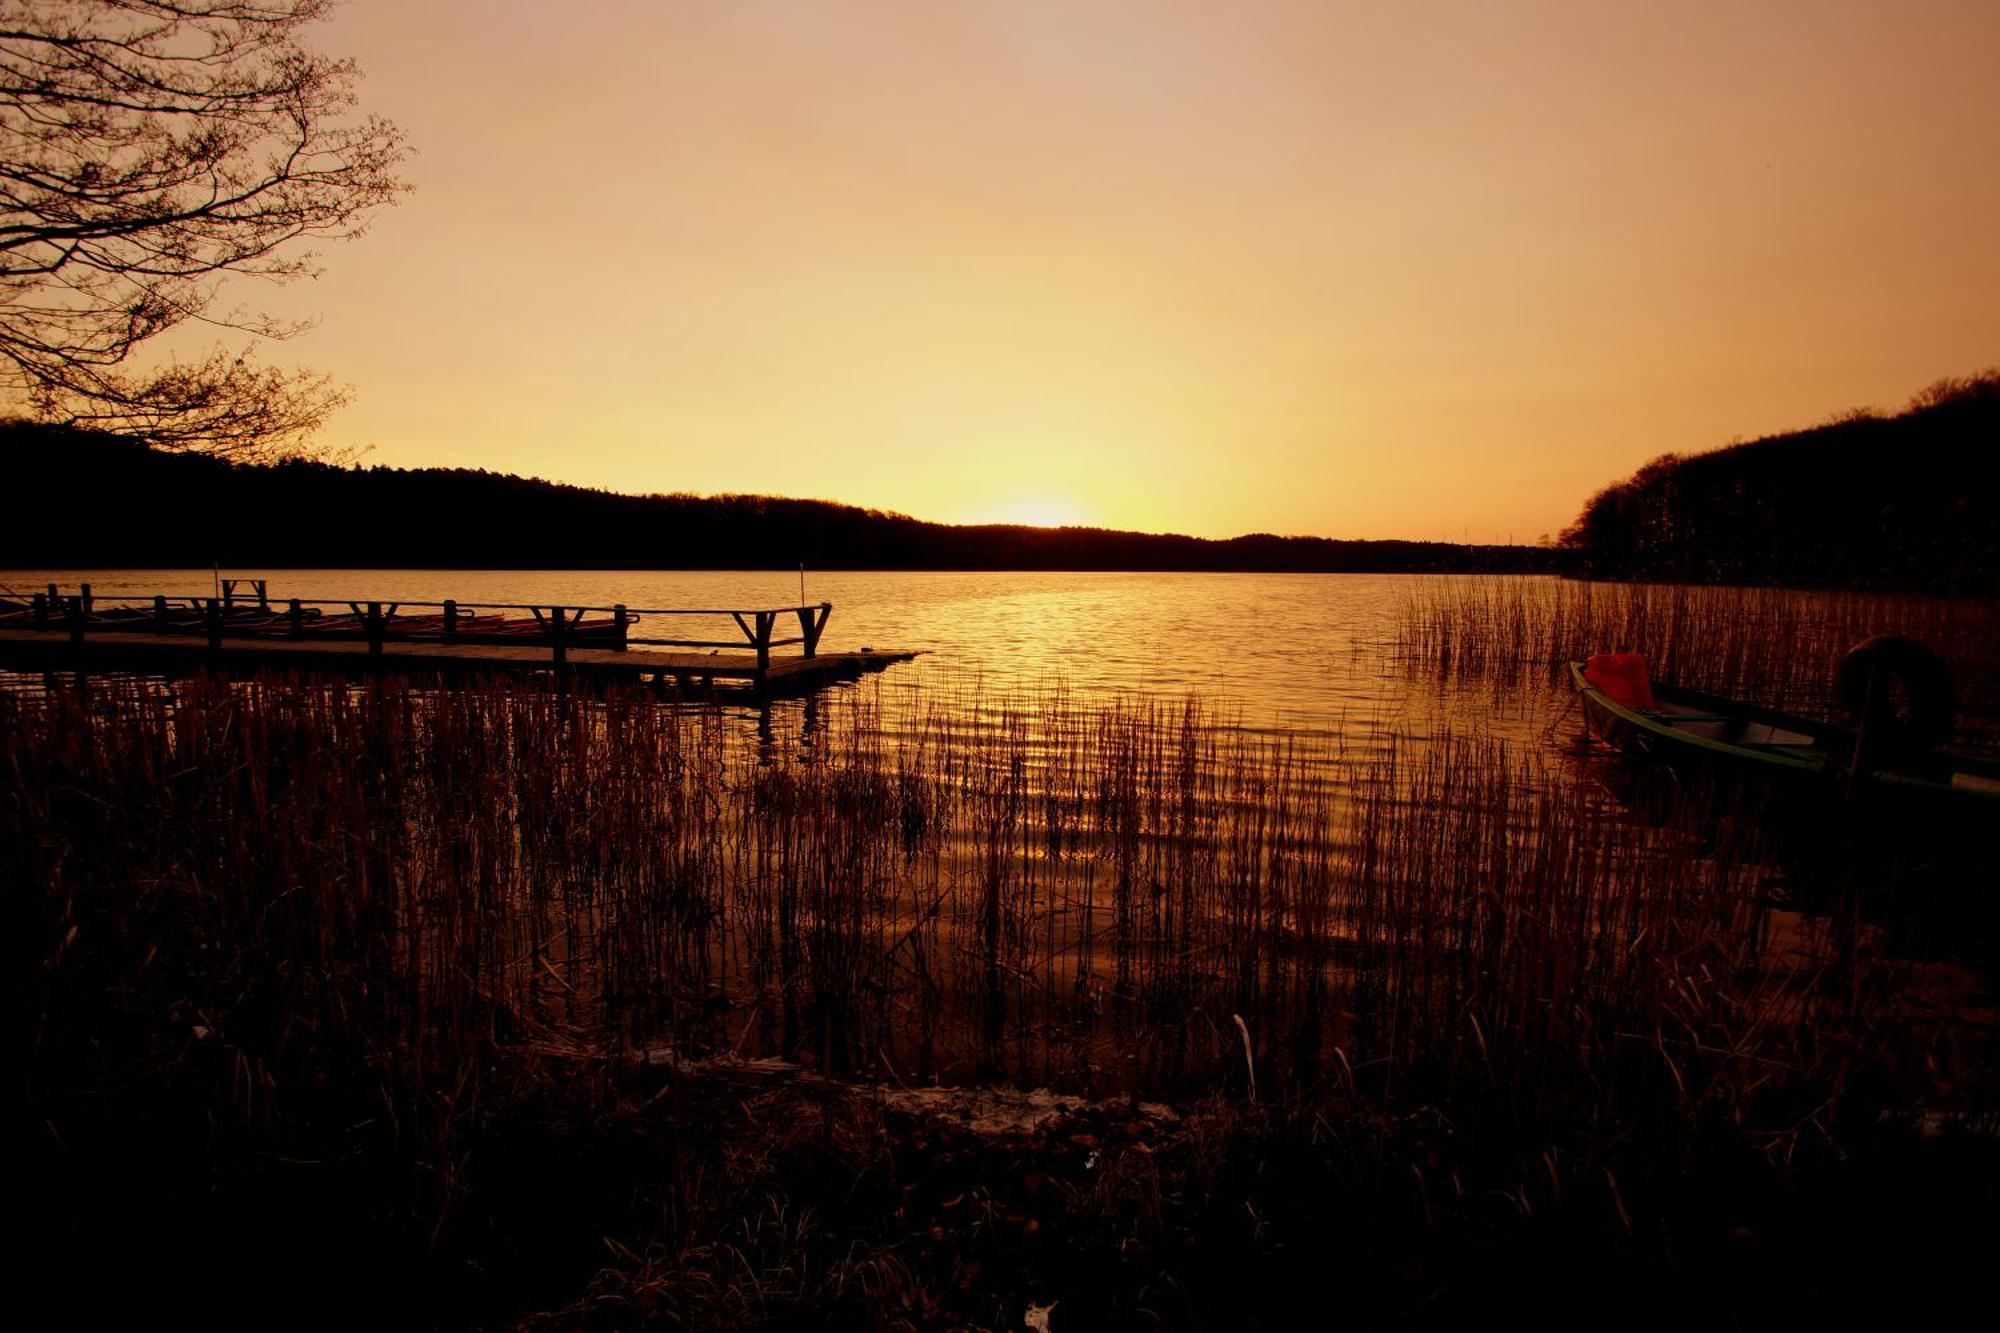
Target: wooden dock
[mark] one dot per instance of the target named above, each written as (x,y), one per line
(244,629)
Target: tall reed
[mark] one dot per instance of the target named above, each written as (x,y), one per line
(1779,646)
(1087,894)
(293,921)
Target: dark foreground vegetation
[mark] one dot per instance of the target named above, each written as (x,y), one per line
(104,502)
(494,1007)
(1906,501)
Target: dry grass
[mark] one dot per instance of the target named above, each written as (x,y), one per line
(284,920)
(1779,646)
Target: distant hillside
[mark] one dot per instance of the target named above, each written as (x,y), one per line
(85,500)
(1907,501)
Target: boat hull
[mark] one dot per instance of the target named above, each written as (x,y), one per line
(1920,836)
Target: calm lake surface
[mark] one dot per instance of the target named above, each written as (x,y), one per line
(1266,652)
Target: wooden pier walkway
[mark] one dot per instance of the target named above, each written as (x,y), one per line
(244,628)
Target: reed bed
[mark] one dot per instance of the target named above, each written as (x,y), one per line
(334,922)
(1780,646)
(1084,895)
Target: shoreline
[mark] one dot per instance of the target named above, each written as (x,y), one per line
(579,1013)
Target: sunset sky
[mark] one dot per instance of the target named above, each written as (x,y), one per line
(1371,270)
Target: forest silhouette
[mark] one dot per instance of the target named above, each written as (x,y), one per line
(1906,501)
(105,501)
(1910,500)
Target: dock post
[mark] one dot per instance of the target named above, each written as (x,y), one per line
(86,597)
(559,635)
(812,623)
(160,610)
(212,620)
(298,618)
(374,625)
(450,618)
(764,619)
(263,587)
(619,620)
(73,612)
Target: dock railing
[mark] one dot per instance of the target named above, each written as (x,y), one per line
(562,626)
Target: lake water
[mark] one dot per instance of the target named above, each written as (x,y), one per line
(1265,651)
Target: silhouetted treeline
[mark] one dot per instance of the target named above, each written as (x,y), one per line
(1908,501)
(86,500)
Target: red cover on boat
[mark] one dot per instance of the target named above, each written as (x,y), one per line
(1623,677)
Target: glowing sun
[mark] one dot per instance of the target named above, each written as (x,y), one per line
(1035,511)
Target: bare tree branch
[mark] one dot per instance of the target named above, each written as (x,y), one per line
(149,150)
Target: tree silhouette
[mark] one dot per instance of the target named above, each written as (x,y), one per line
(111,502)
(1904,501)
(149,149)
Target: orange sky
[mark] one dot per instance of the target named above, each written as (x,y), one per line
(1356,270)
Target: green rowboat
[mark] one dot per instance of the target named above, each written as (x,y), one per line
(1690,729)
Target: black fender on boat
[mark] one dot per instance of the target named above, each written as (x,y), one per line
(1931,708)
